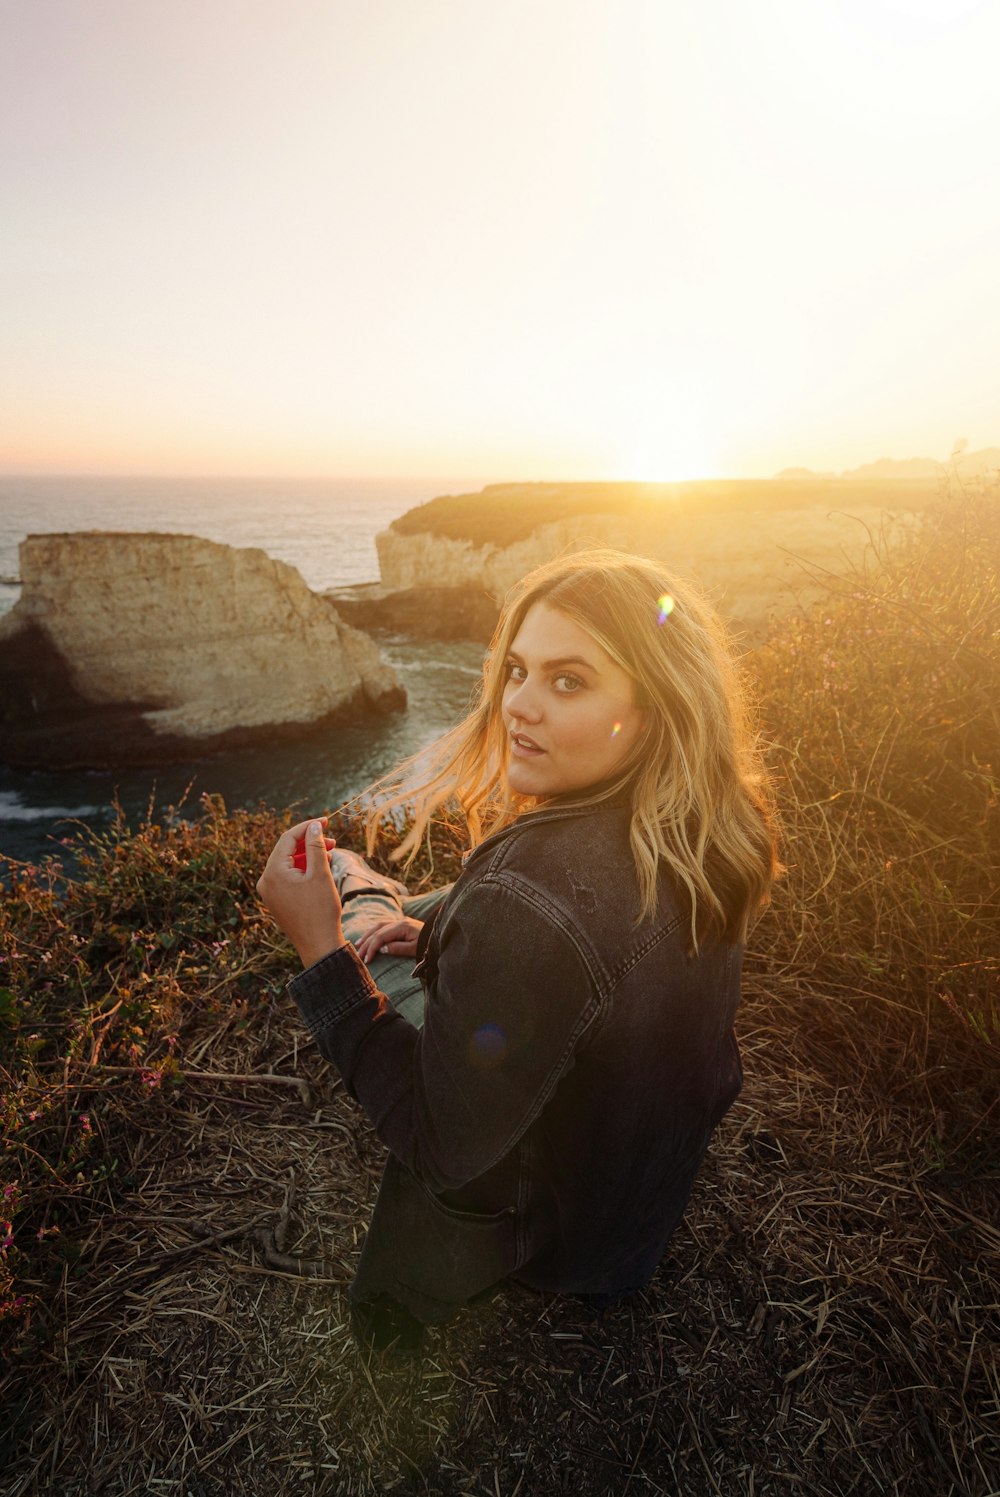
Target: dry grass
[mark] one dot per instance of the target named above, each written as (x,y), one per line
(826,1320)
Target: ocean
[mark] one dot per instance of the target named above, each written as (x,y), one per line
(324,527)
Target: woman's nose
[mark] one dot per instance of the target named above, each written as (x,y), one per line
(522,702)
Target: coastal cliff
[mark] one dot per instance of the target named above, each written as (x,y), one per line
(136,648)
(758,548)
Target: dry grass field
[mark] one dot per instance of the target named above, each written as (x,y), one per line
(185,1182)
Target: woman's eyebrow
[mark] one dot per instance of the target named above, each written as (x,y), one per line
(550,665)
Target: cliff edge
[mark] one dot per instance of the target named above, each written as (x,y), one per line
(757,547)
(140,648)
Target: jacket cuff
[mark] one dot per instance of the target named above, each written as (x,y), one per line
(331,988)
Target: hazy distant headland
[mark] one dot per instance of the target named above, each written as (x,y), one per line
(962,465)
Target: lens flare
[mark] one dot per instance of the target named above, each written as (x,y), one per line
(488,1046)
(664,608)
(616,730)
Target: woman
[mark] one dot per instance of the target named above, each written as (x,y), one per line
(548,1092)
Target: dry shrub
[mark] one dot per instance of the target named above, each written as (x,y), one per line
(114,985)
(883,708)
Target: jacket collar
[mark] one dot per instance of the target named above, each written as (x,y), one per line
(552,812)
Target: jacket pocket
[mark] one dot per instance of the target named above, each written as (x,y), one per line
(432,1257)
(453,1254)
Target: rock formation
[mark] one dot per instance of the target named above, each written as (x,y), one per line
(422,612)
(142,648)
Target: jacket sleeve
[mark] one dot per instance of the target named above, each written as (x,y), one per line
(507,1007)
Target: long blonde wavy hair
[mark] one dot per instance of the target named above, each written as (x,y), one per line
(701,809)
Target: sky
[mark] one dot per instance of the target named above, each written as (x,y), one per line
(541,239)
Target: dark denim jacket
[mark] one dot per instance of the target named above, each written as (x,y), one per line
(549,1120)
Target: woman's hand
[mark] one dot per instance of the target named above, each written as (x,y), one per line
(394,938)
(304,903)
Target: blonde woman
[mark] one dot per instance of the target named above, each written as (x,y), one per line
(547,1080)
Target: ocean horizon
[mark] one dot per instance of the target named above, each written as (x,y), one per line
(324,527)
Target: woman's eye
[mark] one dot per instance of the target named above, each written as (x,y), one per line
(565,682)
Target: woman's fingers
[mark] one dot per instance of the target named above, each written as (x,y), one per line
(301,894)
(379,940)
(299,830)
(292,843)
(393,938)
(315,846)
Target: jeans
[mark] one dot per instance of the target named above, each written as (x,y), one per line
(381,1322)
(366,908)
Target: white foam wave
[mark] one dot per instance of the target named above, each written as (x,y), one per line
(431,667)
(12,808)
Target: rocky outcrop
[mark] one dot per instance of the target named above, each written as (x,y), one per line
(142,648)
(426,612)
(756,560)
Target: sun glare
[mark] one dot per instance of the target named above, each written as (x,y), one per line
(665,462)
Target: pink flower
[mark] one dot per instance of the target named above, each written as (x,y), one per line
(7,1229)
(85,1122)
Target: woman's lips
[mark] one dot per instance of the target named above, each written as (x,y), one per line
(524,747)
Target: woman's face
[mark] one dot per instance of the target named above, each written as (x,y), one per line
(567,706)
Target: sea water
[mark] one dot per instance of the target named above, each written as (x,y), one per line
(325,528)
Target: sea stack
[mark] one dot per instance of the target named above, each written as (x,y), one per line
(142,648)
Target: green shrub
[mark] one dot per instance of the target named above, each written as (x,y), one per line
(102,979)
(109,985)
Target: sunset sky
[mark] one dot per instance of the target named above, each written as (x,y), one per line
(528,239)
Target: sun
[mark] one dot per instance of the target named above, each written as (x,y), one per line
(663,460)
